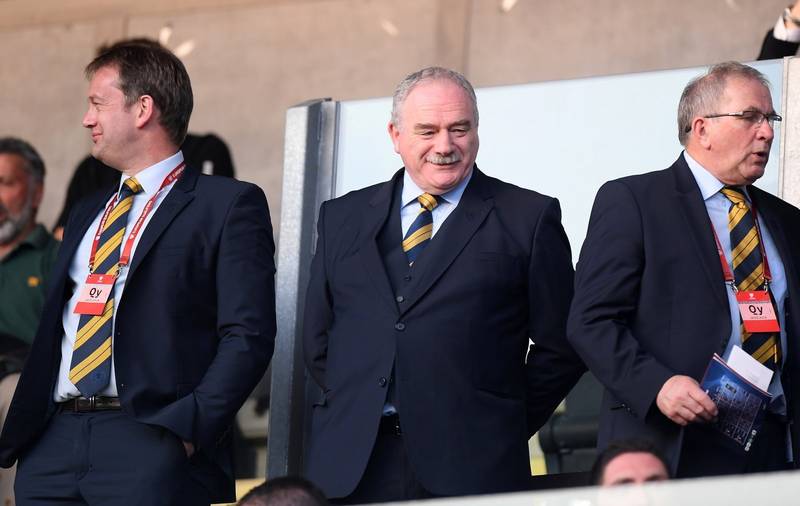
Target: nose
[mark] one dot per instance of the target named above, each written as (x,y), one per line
(766,131)
(443,143)
(88,118)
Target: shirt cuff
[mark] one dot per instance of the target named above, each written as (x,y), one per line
(785,34)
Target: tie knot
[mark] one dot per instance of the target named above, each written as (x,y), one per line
(129,187)
(429,201)
(735,195)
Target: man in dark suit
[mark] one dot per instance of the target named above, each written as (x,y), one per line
(424,293)
(653,303)
(159,318)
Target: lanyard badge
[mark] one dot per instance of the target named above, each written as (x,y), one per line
(98,286)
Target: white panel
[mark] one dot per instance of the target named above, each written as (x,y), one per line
(561,138)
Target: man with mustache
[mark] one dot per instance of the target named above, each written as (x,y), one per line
(425,291)
(27,252)
(667,257)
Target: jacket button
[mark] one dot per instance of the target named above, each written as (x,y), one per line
(382,381)
(406,278)
(399,298)
(400,326)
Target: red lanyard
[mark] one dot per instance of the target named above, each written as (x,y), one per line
(126,252)
(726,271)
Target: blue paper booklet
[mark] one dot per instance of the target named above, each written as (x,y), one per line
(741,404)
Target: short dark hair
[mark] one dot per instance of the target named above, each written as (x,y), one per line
(146,67)
(34,165)
(621,447)
(284,491)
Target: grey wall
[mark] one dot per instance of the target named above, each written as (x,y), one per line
(255,58)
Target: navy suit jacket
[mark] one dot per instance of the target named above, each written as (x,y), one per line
(194,330)
(497,273)
(650,298)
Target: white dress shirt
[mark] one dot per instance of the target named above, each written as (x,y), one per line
(409,206)
(150,179)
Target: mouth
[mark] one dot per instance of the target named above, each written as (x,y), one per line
(95,136)
(761,156)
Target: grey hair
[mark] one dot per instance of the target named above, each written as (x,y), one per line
(430,74)
(34,165)
(701,96)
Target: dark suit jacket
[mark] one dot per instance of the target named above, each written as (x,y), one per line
(773,48)
(195,326)
(650,298)
(498,272)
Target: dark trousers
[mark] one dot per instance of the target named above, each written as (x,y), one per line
(389,476)
(106,458)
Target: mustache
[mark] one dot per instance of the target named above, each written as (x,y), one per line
(443,160)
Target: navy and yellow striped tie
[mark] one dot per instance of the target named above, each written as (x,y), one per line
(420,232)
(90,369)
(748,271)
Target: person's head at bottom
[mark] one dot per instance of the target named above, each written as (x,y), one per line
(629,462)
(284,491)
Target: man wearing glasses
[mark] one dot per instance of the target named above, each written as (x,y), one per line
(665,256)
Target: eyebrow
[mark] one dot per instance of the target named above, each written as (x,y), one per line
(431,126)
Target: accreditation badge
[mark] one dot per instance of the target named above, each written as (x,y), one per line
(94,294)
(758,312)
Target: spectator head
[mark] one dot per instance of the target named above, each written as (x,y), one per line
(152,81)
(629,462)
(434,128)
(21,189)
(725,121)
(284,491)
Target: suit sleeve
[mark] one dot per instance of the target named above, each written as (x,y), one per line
(552,367)
(318,312)
(246,322)
(607,289)
(773,48)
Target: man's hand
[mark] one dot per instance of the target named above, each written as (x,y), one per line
(189,447)
(683,401)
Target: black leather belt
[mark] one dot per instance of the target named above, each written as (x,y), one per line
(93,403)
(390,425)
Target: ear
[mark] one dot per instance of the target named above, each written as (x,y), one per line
(145,110)
(701,132)
(394,134)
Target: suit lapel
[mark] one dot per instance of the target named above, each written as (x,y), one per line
(452,237)
(699,230)
(177,198)
(77,228)
(374,220)
(776,229)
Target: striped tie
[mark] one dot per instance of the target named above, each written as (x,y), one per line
(90,369)
(420,232)
(748,270)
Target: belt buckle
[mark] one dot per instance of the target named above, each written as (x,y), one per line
(85,404)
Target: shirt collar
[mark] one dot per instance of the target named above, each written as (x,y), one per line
(152,177)
(709,185)
(411,191)
(38,237)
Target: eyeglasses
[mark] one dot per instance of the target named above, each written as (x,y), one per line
(755,118)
